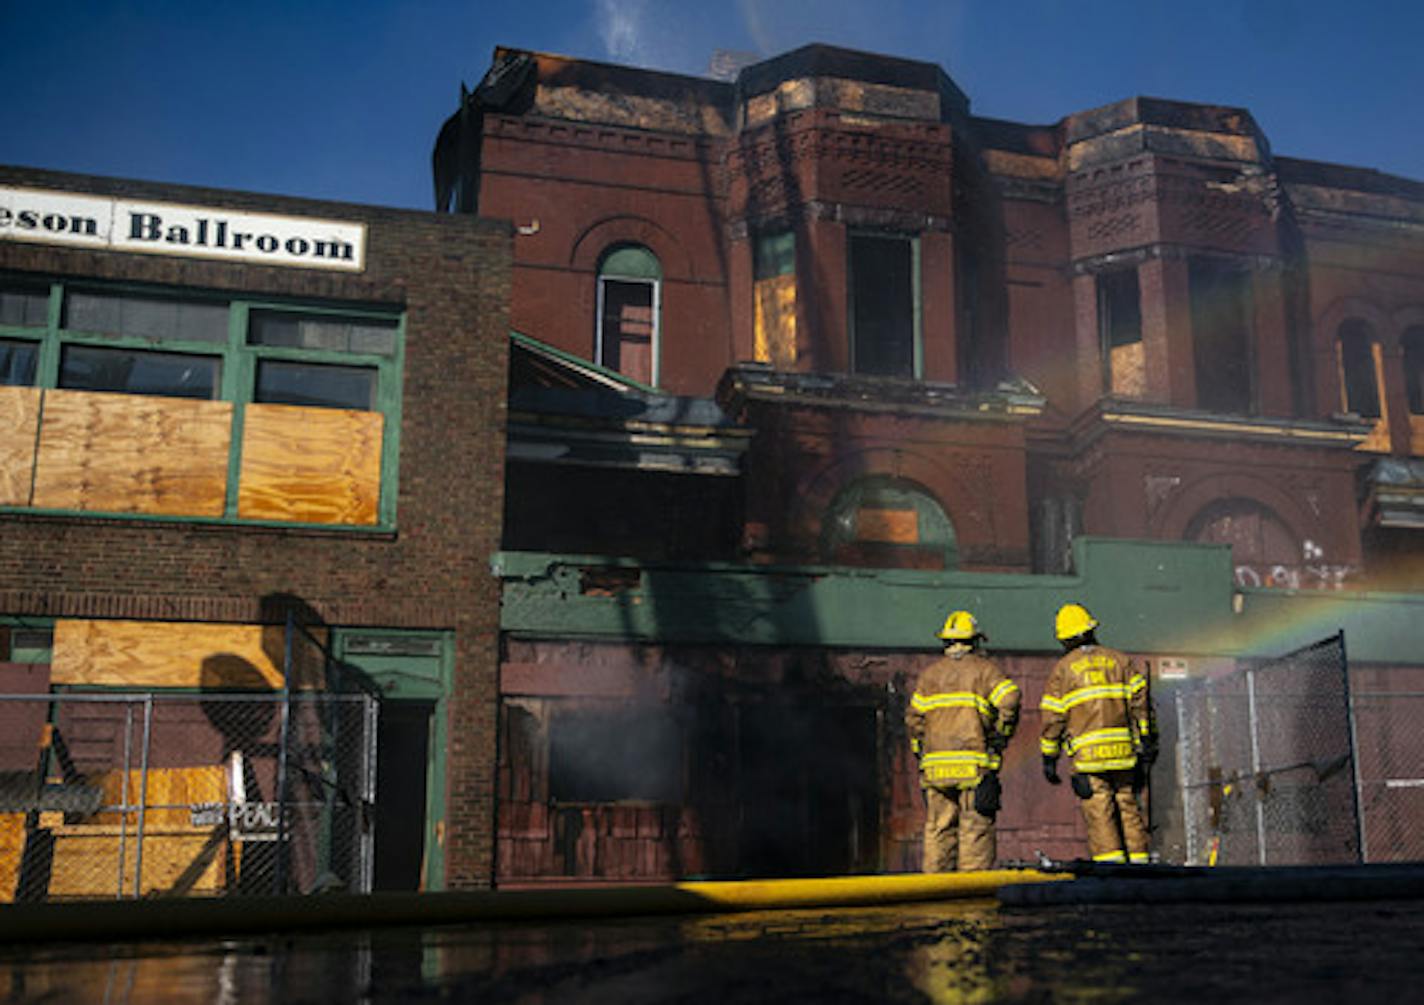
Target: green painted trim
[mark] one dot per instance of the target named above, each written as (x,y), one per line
(390,398)
(237,385)
(222,521)
(1164,597)
(435,794)
(629,261)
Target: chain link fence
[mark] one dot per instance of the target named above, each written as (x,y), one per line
(145,795)
(1268,771)
(1389,731)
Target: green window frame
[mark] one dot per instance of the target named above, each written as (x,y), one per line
(237,376)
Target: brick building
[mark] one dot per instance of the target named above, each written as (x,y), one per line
(222,407)
(639,507)
(944,348)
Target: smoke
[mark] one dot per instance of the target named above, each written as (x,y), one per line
(623,29)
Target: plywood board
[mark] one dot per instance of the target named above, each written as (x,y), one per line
(130,453)
(12,846)
(211,657)
(888,526)
(775,320)
(19,421)
(86,861)
(310,465)
(170,797)
(1129,370)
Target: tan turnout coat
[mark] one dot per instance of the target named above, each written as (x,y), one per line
(960,702)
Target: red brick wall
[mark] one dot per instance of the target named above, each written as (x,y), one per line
(451,276)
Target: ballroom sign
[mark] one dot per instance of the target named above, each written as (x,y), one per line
(111,224)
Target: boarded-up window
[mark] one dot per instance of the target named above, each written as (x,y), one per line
(882,308)
(1359,371)
(774,269)
(1221,335)
(629,292)
(604,755)
(1120,321)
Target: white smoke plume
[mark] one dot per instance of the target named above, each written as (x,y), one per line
(623,30)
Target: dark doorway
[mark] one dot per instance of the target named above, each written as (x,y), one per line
(810,796)
(402,756)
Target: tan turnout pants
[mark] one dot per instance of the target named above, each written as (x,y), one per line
(956,836)
(1116,829)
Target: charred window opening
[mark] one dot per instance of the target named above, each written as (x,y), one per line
(888,523)
(1413,344)
(1221,335)
(629,298)
(609,582)
(884,305)
(1359,369)
(774,289)
(606,755)
(1120,327)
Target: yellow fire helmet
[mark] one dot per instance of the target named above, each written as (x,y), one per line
(960,626)
(1073,620)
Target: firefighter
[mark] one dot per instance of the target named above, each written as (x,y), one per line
(1096,709)
(959,720)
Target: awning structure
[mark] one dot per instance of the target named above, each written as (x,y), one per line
(1396,492)
(566,410)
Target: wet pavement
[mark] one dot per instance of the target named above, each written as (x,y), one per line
(957,952)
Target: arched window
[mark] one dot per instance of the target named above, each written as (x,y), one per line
(629,302)
(1263,549)
(1412,342)
(1359,368)
(888,522)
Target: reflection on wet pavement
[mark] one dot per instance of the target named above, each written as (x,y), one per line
(964,952)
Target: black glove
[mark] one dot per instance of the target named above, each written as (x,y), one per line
(1050,770)
(1082,788)
(1147,755)
(987,794)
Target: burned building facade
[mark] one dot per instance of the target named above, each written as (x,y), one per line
(942,349)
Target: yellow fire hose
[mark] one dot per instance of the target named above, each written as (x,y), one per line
(132,920)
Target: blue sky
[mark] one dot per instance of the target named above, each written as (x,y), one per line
(342,99)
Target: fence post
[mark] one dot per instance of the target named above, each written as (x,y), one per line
(142,792)
(367,809)
(1355,791)
(1256,765)
(124,796)
(280,873)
